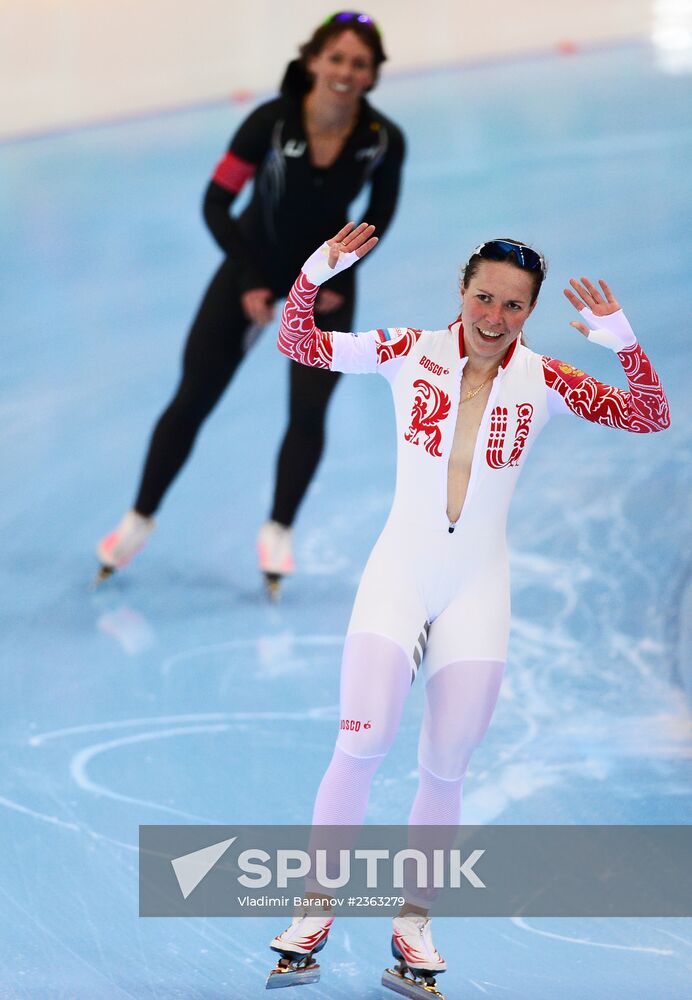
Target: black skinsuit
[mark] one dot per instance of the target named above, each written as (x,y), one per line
(294,207)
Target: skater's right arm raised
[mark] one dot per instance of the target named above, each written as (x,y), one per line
(304,342)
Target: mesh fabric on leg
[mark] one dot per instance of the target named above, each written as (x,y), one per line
(375,680)
(460,699)
(459,703)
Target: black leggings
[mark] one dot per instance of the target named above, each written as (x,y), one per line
(215,347)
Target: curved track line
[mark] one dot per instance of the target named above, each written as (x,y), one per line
(521,923)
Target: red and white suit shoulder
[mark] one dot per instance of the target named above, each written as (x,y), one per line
(356,353)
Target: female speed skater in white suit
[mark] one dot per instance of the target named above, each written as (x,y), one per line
(470,402)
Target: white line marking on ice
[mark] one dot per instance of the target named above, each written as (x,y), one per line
(73,827)
(219,647)
(520,922)
(676,937)
(78,767)
(37,815)
(322,712)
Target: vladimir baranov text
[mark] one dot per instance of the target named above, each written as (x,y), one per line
(273,901)
(307,903)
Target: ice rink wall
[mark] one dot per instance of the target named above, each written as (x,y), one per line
(66,63)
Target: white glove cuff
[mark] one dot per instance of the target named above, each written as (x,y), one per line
(317,270)
(611,331)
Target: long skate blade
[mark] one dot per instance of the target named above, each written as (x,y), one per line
(406,987)
(272,584)
(104,573)
(279,978)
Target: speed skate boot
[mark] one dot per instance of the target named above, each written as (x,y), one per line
(418,960)
(123,543)
(297,944)
(275,555)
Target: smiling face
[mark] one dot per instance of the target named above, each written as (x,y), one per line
(343,70)
(496,304)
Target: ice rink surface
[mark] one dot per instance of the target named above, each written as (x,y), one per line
(176,693)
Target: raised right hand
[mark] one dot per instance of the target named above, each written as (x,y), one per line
(349,240)
(340,252)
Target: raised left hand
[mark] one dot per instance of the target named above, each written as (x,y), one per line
(601,303)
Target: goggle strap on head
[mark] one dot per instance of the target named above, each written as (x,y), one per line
(526,257)
(345,16)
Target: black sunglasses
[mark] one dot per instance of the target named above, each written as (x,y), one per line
(526,258)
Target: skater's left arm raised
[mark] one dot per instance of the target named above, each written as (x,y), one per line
(642,409)
(302,341)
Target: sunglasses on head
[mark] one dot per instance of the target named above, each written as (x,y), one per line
(345,16)
(525,257)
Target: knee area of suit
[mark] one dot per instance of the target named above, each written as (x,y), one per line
(362,743)
(192,402)
(447,761)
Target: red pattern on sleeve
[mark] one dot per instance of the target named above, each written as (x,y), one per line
(231,172)
(641,410)
(299,338)
(390,349)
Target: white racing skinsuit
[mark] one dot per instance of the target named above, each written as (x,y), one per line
(430,586)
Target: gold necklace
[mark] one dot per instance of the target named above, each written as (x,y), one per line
(474,392)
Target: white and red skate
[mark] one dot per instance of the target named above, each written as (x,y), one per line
(302,939)
(275,555)
(118,547)
(418,960)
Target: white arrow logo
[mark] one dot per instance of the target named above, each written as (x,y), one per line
(190,869)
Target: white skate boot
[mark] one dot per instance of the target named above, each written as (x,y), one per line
(121,545)
(275,555)
(297,944)
(418,960)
